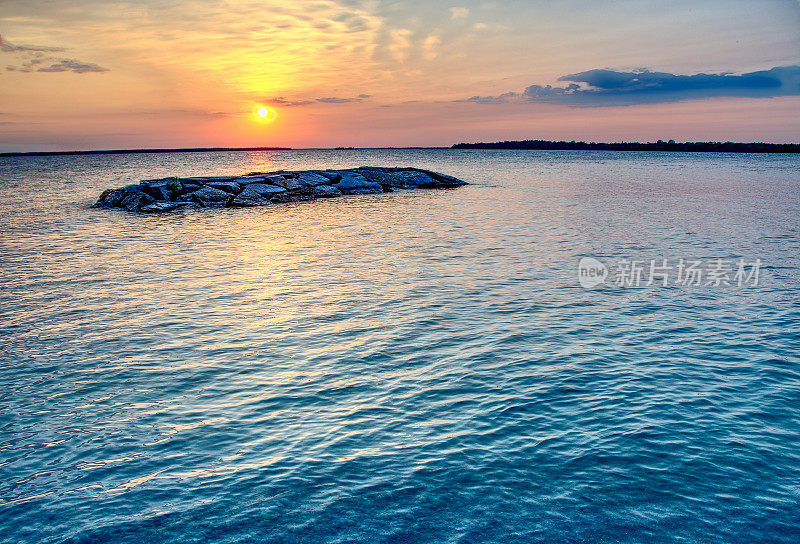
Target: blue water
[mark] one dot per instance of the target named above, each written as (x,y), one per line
(409,367)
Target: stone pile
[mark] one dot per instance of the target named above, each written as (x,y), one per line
(261,189)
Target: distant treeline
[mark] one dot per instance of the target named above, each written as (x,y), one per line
(660,145)
(134,151)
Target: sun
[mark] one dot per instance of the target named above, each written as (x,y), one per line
(264,114)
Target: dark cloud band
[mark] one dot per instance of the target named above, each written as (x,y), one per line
(613,88)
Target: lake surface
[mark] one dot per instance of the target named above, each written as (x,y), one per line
(409,367)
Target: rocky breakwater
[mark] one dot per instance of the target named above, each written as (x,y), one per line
(260,189)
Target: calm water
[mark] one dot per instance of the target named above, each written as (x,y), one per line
(410,367)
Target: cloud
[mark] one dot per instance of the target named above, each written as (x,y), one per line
(36,57)
(602,87)
(500,99)
(399,44)
(430,46)
(257,47)
(282,101)
(458,12)
(353,22)
(72,65)
(336,100)
(288,103)
(7,47)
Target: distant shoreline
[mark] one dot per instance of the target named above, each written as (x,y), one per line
(133,151)
(660,145)
(196,150)
(541,145)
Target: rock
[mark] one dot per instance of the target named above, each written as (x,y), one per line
(258,189)
(227,186)
(190,185)
(244,180)
(326,191)
(161,193)
(160,182)
(163,207)
(206,180)
(132,198)
(289,181)
(412,180)
(294,184)
(352,183)
(395,179)
(162,189)
(332,175)
(110,198)
(285,197)
(441,181)
(313,180)
(249,197)
(209,197)
(409,178)
(275,179)
(265,190)
(186,197)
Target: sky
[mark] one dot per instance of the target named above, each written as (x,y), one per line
(97,74)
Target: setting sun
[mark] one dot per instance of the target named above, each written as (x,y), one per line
(263,113)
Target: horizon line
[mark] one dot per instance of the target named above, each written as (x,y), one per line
(196,150)
(455,147)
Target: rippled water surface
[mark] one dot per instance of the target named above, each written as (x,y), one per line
(409,367)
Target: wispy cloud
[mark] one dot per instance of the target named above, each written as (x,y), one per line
(459,12)
(56,65)
(282,101)
(290,103)
(7,47)
(430,46)
(37,61)
(499,99)
(71,65)
(399,43)
(242,47)
(604,87)
(339,100)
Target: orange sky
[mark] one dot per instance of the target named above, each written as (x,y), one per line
(93,74)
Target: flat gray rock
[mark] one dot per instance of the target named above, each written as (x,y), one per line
(209,197)
(275,179)
(326,191)
(245,180)
(313,180)
(295,185)
(352,183)
(249,197)
(402,179)
(227,186)
(264,189)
